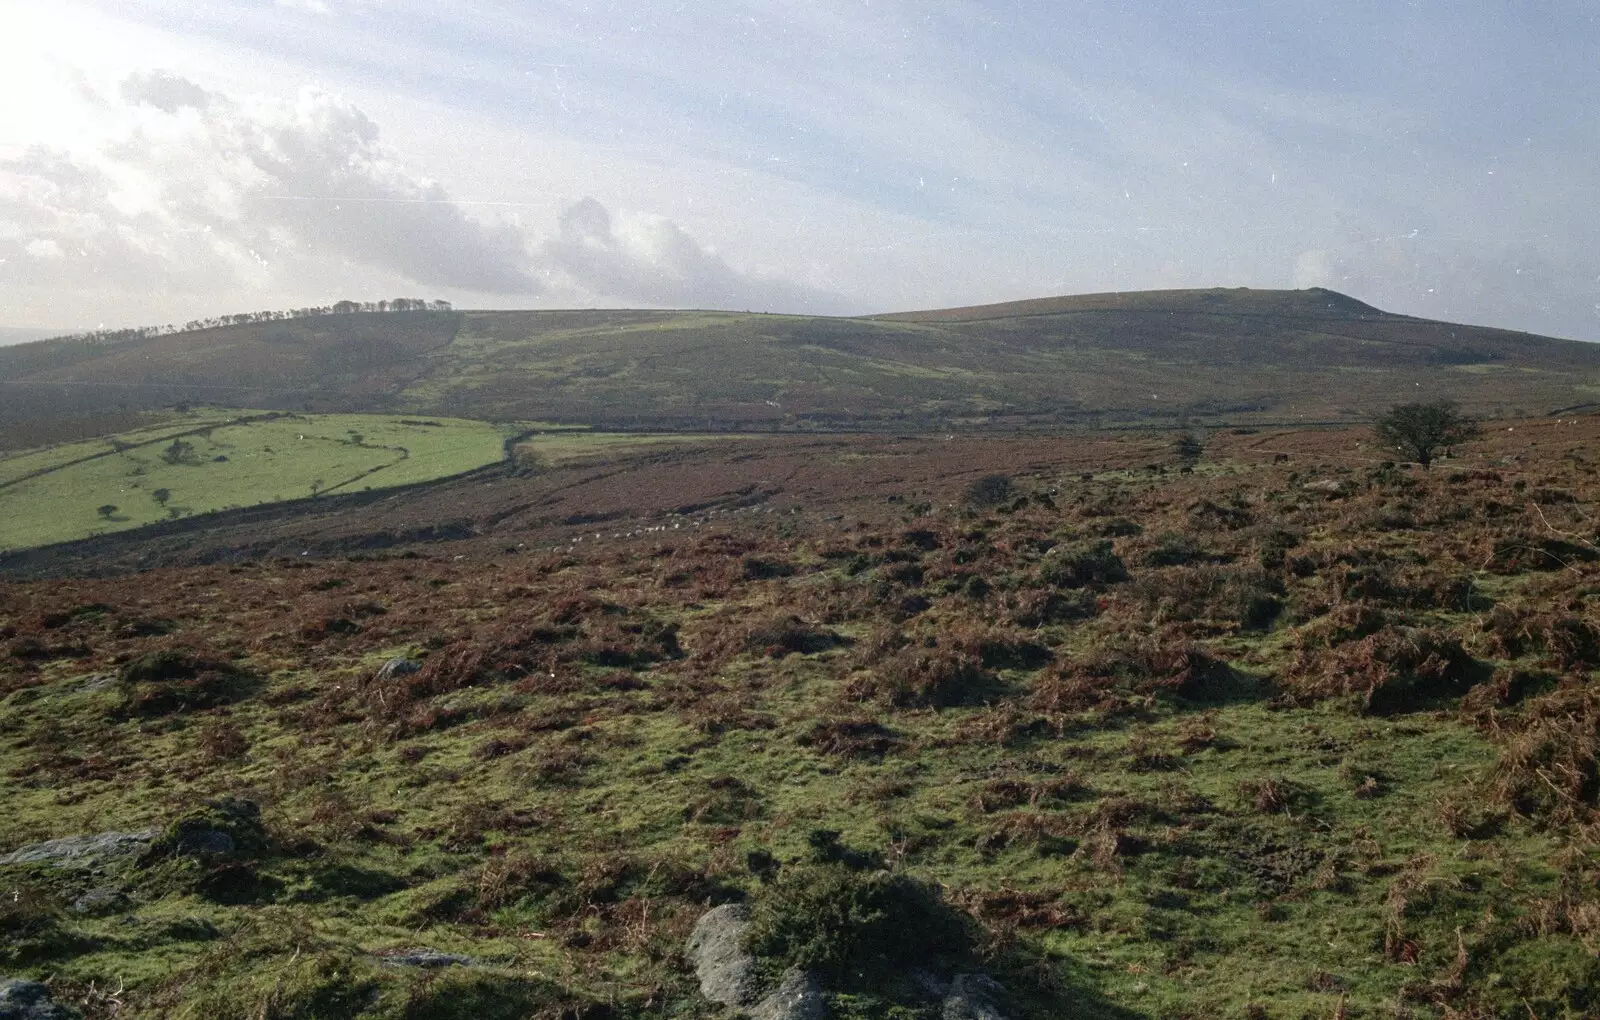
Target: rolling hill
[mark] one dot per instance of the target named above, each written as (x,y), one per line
(1240,356)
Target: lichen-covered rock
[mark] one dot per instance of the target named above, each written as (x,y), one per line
(102,899)
(29,1000)
(799,997)
(1328,487)
(429,958)
(397,667)
(716,948)
(972,997)
(83,851)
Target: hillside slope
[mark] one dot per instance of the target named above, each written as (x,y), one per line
(1295,735)
(1115,359)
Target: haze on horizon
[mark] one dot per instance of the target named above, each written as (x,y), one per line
(164,160)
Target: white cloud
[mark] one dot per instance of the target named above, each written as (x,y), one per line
(200,190)
(192,191)
(650,259)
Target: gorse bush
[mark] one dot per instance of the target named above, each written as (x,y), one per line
(927,678)
(181,679)
(848,924)
(990,490)
(1174,549)
(1082,564)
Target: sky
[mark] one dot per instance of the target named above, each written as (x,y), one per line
(162,160)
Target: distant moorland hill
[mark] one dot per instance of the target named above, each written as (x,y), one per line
(1237,356)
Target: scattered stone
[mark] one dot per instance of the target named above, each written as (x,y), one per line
(398,667)
(799,997)
(716,948)
(972,997)
(1327,486)
(29,1000)
(429,958)
(103,899)
(83,851)
(97,681)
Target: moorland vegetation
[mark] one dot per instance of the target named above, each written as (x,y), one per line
(1300,731)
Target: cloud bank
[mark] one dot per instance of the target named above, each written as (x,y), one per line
(193,191)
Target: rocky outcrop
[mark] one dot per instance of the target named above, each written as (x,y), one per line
(728,977)
(396,668)
(427,958)
(727,971)
(29,1000)
(972,997)
(84,851)
(799,997)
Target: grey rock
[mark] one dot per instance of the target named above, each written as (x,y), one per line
(83,851)
(104,899)
(398,667)
(97,682)
(972,997)
(716,948)
(1328,486)
(425,958)
(799,997)
(29,1000)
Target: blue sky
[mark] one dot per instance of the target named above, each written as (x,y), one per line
(184,158)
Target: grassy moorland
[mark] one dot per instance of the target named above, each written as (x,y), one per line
(1300,734)
(1236,356)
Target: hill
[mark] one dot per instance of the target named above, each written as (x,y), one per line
(1298,734)
(1241,356)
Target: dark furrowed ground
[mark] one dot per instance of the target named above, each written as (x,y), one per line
(1301,734)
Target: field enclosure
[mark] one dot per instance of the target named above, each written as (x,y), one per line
(211,460)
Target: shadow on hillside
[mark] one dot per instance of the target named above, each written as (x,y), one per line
(1081,999)
(1217,684)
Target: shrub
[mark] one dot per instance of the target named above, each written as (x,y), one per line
(789,635)
(1549,769)
(928,678)
(1082,564)
(990,490)
(1564,641)
(844,923)
(1516,553)
(1037,607)
(851,738)
(1395,669)
(1174,549)
(756,568)
(181,679)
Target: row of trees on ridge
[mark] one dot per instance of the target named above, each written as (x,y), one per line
(400,304)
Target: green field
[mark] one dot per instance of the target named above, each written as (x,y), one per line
(213,460)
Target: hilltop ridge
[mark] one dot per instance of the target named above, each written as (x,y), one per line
(1236,357)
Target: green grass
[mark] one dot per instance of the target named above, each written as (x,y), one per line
(226,459)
